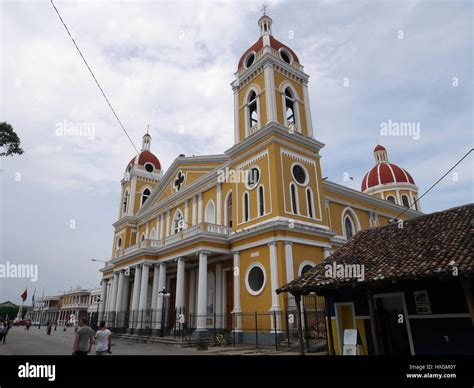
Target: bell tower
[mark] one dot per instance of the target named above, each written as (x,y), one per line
(270,86)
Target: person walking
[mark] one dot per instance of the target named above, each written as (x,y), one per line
(103,340)
(82,340)
(49,327)
(4,331)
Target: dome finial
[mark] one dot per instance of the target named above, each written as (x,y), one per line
(380,154)
(265,22)
(146,143)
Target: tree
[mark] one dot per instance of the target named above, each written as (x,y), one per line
(9,141)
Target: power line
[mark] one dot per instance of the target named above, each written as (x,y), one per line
(105,96)
(439,180)
(93,76)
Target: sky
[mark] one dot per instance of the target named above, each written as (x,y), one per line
(170,64)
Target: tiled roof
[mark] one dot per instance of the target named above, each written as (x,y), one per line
(427,246)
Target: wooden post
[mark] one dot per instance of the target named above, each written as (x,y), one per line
(468,290)
(373,326)
(329,327)
(300,327)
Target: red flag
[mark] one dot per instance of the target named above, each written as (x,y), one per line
(24,295)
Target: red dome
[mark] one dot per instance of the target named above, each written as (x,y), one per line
(383,173)
(379,148)
(258,45)
(146,157)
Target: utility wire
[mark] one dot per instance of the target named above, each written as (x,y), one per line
(105,96)
(439,180)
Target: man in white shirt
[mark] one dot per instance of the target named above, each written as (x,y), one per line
(103,340)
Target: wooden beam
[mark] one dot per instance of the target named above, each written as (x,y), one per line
(468,291)
(373,326)
(298,320)
(329,327)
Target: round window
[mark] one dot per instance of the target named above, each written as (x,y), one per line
(255,279)
(299,174)
(253,177)
(285,56)
(250,59)
(149,167)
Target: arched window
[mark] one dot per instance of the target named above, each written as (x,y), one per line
(246,208)
(290,114)
(178,222)
(350,223)
(391,198)
(252,109)
(145,194)
(119,243)
(309,202)
(261,201)
(142,238)
(405,201)
(125,202)
(348,227)
(152,233)
(210,214)
(294,198)
(228,210)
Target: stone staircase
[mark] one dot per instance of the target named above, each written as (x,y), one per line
(167,340)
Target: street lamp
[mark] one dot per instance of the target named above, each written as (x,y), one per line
(165,293)
(100,261)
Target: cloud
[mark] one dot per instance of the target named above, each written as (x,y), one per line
(169,65)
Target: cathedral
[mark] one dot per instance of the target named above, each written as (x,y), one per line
(206,243)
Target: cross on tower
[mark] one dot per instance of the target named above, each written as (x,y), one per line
(179,181)
(264,9)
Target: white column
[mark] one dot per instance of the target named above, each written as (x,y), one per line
(113,296)
(180,280)
(161,226)
(199,208)
(220,319)
(168,223)
(154,288)
(307,110)
(219,204)
(161,285)
(202,292)
(237,310)
(126,290)
(192,293)
(186,214)
(103,296)
(118,301)
(326,253)
(290,274)
(194,210)
(136,294)
(274,283)
(270,98)
(144,287)
(236,114)
(131,204)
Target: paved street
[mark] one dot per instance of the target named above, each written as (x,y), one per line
(36,342)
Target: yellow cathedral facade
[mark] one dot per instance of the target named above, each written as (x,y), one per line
(207,242)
